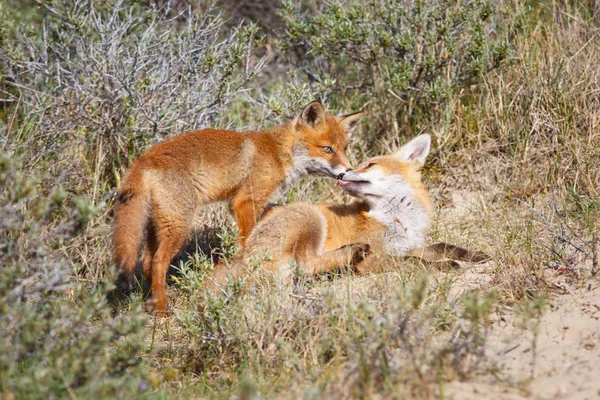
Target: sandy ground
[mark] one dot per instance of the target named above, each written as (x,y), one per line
(566,360)
(561,362)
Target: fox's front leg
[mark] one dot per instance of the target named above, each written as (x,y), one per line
(247,212)
(351,254)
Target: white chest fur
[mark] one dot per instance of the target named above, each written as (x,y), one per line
(300,167)
(406,221)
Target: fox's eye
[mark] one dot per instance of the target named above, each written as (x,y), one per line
(369,165)
(327,149)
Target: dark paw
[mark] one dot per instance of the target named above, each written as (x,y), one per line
(124,285)
(359,252)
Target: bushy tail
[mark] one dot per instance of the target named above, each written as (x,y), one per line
(132,210)
(448,253)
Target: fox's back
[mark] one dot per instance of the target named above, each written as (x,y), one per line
(285,230)
(209,148)
(207,165)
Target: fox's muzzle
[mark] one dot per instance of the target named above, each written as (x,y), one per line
(342,162)
(339,165)
(337,170)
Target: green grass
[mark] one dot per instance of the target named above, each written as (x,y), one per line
(514,173)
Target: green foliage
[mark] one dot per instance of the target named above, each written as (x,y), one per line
(104,80)
(402,60)
(372,343)
(478,307)
(57,336)
(530,310)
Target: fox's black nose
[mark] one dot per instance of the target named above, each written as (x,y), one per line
(340,176)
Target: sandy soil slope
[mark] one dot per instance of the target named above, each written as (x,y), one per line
(561,362)
(566,360)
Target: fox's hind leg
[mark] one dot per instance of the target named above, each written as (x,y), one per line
(171,239)
(447,254)
(151,246)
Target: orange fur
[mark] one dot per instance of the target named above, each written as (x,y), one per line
(324,237)
(166,185)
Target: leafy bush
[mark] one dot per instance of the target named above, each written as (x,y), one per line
(98,82)
(401,59)
(57,334)
(87,86)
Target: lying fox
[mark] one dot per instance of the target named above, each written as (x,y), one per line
(165,187)
(392,217)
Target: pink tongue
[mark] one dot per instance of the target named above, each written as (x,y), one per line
(342,183)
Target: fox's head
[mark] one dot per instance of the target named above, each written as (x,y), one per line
(321,140)
(388,179)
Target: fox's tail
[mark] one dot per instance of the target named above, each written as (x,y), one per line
(132,209)
(444,253)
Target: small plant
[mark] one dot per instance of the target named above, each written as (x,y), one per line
(58,337)
(373,343)
(530,311)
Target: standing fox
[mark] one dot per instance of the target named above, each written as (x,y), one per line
(392,216)
(165,186)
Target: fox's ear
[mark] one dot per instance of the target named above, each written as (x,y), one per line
(350,121)
(313,114)
(415,150)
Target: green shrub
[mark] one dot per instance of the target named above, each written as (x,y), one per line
(58,336)
(401,60)
(326,342)
(96,83)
